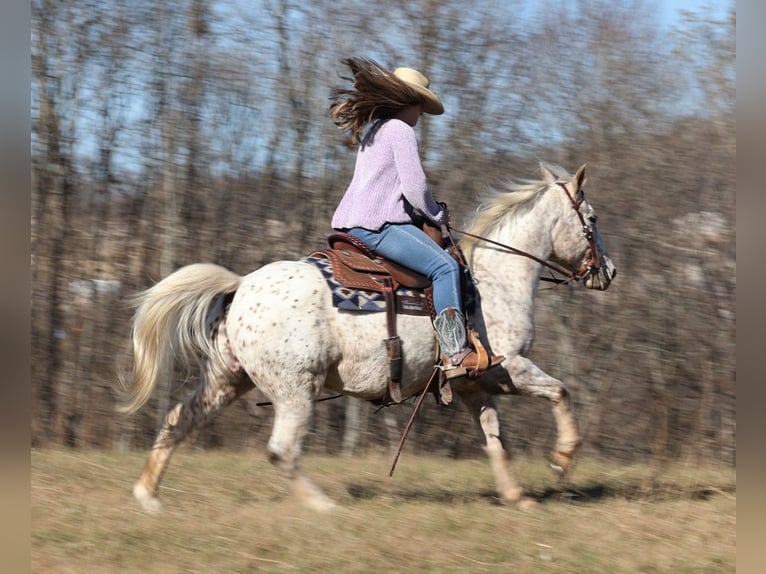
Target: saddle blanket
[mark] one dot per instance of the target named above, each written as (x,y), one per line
(408,301)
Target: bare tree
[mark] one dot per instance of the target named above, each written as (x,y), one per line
(56,179)
(165,136)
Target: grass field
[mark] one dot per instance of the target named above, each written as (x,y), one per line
(230,512)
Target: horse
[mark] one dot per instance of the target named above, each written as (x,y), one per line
(279,331)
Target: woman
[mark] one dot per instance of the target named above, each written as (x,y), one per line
(389,189)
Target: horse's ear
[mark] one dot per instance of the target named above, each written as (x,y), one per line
(548,175)
(580,177)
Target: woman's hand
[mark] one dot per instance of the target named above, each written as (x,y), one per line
(443,205)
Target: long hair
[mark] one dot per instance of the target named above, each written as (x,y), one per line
(376,93)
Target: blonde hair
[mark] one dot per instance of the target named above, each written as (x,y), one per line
(376,93)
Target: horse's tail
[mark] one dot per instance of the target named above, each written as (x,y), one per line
(170,323)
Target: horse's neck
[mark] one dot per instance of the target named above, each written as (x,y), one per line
(509,280)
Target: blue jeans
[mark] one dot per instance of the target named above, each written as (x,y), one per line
(407,245)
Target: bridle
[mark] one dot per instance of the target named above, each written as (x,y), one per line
(590,266)
(593,263)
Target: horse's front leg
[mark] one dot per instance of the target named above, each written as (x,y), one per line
(483,410)
(528,379)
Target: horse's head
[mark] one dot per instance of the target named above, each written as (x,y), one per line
(577,243)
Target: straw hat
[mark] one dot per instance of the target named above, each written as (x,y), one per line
(419,83)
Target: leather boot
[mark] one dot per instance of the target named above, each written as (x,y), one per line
(458,358)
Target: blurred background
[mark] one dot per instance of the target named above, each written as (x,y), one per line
(170,133)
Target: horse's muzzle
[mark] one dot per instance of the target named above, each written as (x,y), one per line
(600,279)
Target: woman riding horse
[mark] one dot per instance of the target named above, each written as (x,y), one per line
(389,186)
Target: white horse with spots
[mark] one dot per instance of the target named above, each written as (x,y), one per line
(282,334)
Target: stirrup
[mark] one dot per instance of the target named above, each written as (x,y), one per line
(453,371)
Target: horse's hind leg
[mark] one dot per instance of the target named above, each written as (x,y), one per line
(291,420)
(211,395)
(482,408)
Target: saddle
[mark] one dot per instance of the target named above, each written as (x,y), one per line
(355,266)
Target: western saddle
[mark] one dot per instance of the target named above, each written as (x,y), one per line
(355,266)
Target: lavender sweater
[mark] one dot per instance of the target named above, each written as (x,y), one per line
(387,173)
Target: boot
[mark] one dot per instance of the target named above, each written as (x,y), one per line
(458,359)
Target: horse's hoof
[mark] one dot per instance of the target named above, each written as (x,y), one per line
(311,495)
(560,461)
(149,503)
(560,472)
(325,505)
(528,504)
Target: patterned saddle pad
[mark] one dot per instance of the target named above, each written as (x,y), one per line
(408,301)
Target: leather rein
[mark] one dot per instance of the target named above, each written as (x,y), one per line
(590,266)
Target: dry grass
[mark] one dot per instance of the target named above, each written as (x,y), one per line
(229,512)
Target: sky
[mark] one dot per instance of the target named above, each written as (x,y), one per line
(669,10)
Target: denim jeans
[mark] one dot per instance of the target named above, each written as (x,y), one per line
(407,245)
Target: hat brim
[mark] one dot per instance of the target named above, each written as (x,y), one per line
(431,102)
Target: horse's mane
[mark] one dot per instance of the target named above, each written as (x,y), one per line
(499,206)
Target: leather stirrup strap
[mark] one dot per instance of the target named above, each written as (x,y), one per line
(393,344)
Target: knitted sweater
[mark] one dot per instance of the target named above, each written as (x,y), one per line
(387,176)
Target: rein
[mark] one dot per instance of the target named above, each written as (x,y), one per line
(570,275)
(590,266)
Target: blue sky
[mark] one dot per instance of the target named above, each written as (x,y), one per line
(669,10)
